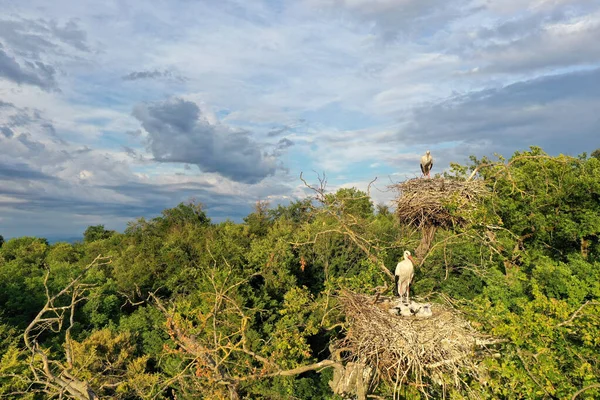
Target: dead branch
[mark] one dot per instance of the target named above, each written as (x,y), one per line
(213,354)
(52,374)
(291,372)
(526,366)
(346,222)
(595,385)
(576,313)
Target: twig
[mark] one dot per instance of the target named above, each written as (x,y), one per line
(576,313)
(595,385)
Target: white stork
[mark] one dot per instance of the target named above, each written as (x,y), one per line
(426,164)
(404,273)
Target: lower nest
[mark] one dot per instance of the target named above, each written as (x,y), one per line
(438,349)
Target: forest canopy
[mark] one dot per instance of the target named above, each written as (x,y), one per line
(181,307)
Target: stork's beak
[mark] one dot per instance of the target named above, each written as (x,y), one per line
(411,259)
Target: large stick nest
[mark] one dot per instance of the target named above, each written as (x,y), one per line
(437,202)
(439,349)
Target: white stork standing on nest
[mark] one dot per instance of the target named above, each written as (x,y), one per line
(404,273)
(426,164)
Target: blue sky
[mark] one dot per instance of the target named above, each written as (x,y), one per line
(115,110)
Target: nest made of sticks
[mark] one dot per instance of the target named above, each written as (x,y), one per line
(438,350)
(437,202)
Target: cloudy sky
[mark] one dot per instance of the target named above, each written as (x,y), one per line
(112,110)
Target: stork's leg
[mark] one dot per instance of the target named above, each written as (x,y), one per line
(403,293)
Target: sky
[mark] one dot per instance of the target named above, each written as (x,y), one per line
(114,110)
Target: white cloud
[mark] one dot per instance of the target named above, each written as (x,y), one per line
(372,82)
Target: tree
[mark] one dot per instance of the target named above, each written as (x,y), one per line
(191,309)
(185,213)
(352,201)
(298,211)
(99,365)
(383,210)
(96,232)
(259,222)
(1,240)
(21,274)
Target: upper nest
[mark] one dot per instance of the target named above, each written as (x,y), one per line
(438,349)
(437,202)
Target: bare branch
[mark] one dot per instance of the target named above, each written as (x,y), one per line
(61,381)
(595,385)
(520,355)
(576,313)
(294,371)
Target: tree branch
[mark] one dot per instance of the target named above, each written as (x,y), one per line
(576,313)
(61,381)
(595,385)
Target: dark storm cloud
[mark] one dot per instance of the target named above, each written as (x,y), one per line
(26,37)
(25,46)
(558,113)
(71,34)
(571,48)
(400,18)
(36,178)
(133,76)
(179,133)
(562,34)
(6,131)
(20,171)
(33,73)
(135,133)
(31,38)
(130,151)
(293,127)
(284,144)
(147,200)
(4,104)
(519,27)
(32,145)
(155,74)
(278,131)
(25,117)
(51,131)
(82,150)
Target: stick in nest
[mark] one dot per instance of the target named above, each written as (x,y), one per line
(434,202)
(437,350)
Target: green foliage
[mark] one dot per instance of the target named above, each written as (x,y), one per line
(97,232)
(146,323)
(184,214)
(552,202)
(14,375)
(258,222)
(107,360)
(299,211)
(260,296)
(351,201)
(21,277)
